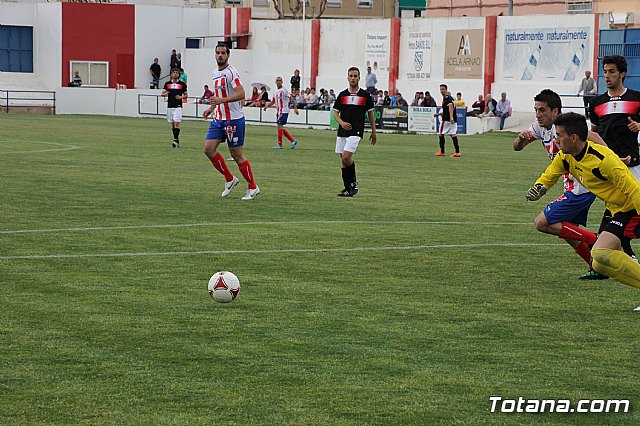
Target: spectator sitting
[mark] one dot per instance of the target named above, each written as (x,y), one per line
(459,102)
(255,97)
(478,107)
(299,97)
(379,98)
(417,99)
(207,94)
(490,107)
(312,100)
(428,101)
(332,96)
(324,101)
(183,75)
(386,100)
(264,97)
(400,100)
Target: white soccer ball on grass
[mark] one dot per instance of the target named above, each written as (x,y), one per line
(224,287)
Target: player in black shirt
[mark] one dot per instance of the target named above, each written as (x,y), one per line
(615,115)
(175,90)
(448,125)
(349,110)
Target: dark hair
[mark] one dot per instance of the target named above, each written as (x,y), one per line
(574,124)
(427,93)
(444,85)
(551,98)
(619,61)
(353,69)
(225,45)
(174,69)
(458,94)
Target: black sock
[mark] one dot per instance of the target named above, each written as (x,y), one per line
(626,246)
(441,143)
(345,177)
(455,143)
(176,133)
(352,174)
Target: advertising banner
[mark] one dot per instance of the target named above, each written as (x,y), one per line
(421,119)
(377,52)
(419,44)
(463,53)
(547,54)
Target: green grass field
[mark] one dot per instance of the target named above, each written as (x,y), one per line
(410,304)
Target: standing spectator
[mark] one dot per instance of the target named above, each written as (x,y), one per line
(588,89)
(175,91)
(349,111)
(281,99)
(179,59)
(490,107)
(503,110)
(478,107)
(428,101)
(295,80)
(206,96)
(77,81)
(459,102)
(228,124)
(448,125)
(183,75)
(173,62)
(155,71)
(370,81)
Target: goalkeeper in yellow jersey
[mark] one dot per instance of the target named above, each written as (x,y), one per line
(602,172)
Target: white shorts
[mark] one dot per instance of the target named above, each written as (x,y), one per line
(448,128)
(347,144)
(174,115)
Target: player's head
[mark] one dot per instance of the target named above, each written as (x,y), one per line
(353,75)
(278,82)
(571,132)
(222,54)
(547,105)
(175,73)
(443,89)
(614,68)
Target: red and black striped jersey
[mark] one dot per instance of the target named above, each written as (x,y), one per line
(175,88)
(611,115)
(353,108)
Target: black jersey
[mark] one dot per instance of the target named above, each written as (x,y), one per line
(353,108)
(177,88)
(446,114)
(611,115)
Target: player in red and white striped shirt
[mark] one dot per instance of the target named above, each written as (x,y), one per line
(228,124)
(281,99)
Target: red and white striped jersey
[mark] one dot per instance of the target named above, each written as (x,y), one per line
(548,139)
(225,82)
(281,96)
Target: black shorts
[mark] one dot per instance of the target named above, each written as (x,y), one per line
(625,225)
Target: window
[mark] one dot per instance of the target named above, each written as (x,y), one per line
(260,3)
(16,48)
(365,4)
(334,3)
(94,74)
(233,1)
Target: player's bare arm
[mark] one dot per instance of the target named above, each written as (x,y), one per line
(633,125)
(270,104)
(341,122)
(185,95)
(451,113)
(295,104)
(372,120)
(595,137)
(523,139)
(239,95)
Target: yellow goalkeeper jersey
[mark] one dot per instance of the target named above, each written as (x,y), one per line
(602,172)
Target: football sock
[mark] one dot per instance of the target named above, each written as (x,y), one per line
(221,166)
(617,265)
(572,232)
(455,143)
(584,252)
(351,173)
(286,133)
(626,246)
(245,169)
(441,143)
(280,131)
(345,177)
(176,133)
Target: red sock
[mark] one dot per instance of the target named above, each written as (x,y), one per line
(220,165)
(584,252)
(572,232)
(284,131)
(280,136)
(245,169)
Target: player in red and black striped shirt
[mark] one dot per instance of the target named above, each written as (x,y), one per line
(349,110)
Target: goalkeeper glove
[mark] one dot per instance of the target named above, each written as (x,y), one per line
(535,192)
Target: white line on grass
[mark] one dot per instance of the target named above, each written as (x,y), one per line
(65,147)
(226,224)
(291,250)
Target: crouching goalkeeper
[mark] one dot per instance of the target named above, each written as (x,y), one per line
(602,172)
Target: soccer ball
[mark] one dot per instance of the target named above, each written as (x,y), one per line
(224,286)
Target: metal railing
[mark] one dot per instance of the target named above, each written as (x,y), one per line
(27,99)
